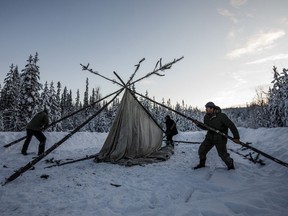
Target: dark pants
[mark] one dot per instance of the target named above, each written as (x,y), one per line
(207,145)
(169,140)
(39,135)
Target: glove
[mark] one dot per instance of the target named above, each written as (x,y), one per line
(236,141)
(195,122)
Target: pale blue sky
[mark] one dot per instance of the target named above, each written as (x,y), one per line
(229,47)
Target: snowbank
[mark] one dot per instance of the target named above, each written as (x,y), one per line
(166,188)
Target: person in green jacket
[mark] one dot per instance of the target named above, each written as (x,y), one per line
(34,128)
(219,121)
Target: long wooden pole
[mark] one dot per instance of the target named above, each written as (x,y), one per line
(59,120)
(56,145)
(219,132)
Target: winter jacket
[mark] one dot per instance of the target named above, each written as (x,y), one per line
(171,128)
(221,122)
(39,121)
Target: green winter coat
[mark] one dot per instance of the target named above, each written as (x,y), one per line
(221,122)
(39,121)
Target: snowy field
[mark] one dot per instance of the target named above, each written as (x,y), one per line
(166,188)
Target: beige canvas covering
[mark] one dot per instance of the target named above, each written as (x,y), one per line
(134,137)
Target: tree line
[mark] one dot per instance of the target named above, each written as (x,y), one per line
(22,96)
(269,109)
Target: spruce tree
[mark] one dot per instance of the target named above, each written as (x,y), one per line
(1,111)
(45,99)
(278,99)
(29,90)
(77,100)
(98,123)
(86,94)
(66,109)
(55,108)
(9,100)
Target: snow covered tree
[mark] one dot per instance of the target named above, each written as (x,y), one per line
(58,111)
(86,94)
(55,108)
(1,112)
(67,108)
(29,90)
(77,100)
(51,102)
(278,99)
(45,99)
(9,100)
(111,112)
(1,121)
(98,123)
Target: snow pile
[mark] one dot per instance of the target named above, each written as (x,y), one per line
(166,188)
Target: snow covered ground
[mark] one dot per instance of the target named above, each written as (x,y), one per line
(166,188)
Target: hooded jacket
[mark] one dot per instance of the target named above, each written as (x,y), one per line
(39,121)
(171,128)
(221,122)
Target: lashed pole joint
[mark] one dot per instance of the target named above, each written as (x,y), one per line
(158,68)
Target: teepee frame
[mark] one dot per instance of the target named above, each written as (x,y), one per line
(157,69)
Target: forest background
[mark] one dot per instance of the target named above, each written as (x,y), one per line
(22,96)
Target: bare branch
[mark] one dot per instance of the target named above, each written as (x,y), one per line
(97,73)
(137,68)
(161,68)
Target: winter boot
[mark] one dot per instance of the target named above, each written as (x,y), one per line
(23,152)
(41,148)
(170,143)
(200,165)
(231,166)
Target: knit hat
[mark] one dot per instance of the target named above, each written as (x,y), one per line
(210,104)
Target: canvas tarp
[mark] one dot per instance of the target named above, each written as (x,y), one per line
(133,137)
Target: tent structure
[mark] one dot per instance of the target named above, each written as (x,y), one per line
(134,138)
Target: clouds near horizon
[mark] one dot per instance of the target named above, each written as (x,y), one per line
(257,43)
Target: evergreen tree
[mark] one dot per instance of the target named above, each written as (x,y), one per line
(9,100)
(45,100)
(1,121)
(55,108)
(77,100)
(145,102)
(1,99)
(1,112)
(66,109)
(162,114)
(58,94)
(86,94)
(78,118)
(29,90)
(278,99)
(179,120)
(169,112)
(111,112)
(98,123)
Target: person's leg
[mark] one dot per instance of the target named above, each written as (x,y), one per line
(29,135)
(204,148)
(172,142)
(169,140)
(224,155)
(42,139)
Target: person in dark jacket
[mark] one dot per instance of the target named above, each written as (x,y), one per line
(171,130)
(34,128)
(219,121)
